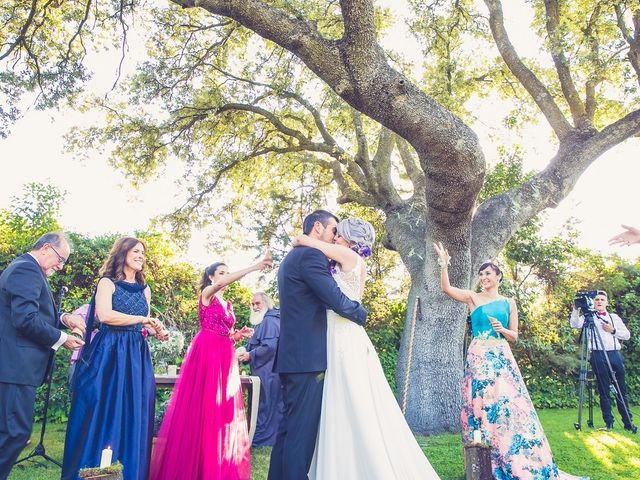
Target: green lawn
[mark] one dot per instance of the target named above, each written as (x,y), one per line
(597,453)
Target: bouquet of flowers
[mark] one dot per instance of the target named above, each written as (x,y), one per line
(167,352)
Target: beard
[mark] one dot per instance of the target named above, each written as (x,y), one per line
(257,317)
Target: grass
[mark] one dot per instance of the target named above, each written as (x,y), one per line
(596,453)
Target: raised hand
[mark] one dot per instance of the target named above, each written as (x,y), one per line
(266,263)
(631,235)
(443,254)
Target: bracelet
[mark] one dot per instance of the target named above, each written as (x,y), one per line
(444,264)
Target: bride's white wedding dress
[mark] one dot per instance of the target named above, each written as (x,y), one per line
(363,434)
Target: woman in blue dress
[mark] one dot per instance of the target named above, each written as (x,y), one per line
(113,400)
(496,403)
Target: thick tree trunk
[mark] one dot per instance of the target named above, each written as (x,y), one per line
(429,379)
(429,371)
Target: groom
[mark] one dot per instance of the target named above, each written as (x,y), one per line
(306,290)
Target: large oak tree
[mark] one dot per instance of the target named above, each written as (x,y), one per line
(222,118)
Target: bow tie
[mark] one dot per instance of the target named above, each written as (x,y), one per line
(601,314)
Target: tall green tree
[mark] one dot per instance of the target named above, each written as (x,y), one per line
(221,98)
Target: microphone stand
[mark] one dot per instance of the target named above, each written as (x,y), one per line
(39,450)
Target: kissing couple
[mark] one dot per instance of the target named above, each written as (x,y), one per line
(341,419)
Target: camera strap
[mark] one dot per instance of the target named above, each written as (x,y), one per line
(616,342)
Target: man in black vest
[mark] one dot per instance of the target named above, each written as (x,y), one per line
(306,290)
(29,337)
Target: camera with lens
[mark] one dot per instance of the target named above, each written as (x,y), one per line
(584,300)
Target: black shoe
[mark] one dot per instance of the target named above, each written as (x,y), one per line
(609,427)
(631,427)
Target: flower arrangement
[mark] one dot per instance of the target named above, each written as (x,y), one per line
(167,353)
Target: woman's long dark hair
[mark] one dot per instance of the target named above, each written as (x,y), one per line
(205,281)
(113,267)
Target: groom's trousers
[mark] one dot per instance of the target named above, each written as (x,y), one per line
(292,454)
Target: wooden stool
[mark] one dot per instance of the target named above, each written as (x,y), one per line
(477,462)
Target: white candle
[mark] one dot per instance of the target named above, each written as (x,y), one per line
(477,436)
(172,370)
(105,459)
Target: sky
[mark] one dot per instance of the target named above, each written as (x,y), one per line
(99,199)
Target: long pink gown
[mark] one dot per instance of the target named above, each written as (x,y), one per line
(204,431)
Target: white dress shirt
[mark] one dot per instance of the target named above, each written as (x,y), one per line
(610,341)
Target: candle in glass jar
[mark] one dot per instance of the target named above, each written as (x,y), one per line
(105,458)
(477,436)
(172,370)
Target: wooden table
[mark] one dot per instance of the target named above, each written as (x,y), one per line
(248,382)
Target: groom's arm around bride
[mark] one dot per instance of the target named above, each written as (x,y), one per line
(306,291)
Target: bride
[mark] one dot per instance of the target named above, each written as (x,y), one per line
(362,432)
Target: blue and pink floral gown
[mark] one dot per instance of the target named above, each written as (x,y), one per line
(496,402)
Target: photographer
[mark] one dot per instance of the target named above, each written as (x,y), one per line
(611,329)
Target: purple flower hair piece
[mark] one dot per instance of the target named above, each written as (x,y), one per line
(361,249)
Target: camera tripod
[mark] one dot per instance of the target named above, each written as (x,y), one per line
(589,338)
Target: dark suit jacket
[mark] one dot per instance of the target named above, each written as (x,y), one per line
(306,290)
(28,322)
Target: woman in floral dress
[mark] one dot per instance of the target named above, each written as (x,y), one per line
(495,399)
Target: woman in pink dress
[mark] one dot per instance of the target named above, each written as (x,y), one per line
(204,432)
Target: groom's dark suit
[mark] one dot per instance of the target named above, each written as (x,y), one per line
(306,290)
(28,330)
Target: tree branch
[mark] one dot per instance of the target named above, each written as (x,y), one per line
(359,41)
(412,167)
(632,39)
(295,34)
(386,192)
(317,118)
(347,192)
(498,218)
(359,23)
(362,158)
(364,79)
(23,31)
(275,121)
(562,64)
(525,76)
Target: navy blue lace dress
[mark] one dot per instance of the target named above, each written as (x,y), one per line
(113,399)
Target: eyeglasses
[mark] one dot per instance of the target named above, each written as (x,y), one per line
(61,259)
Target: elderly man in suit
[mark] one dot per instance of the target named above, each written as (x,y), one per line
(29,336)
